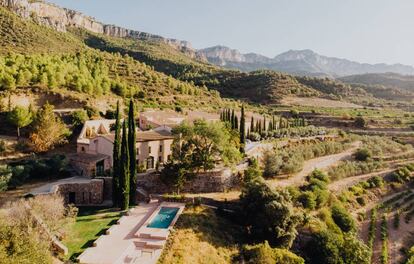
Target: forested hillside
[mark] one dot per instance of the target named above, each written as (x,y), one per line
(154,72)
(36,56)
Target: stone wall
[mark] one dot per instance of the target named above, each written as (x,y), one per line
(85,193)
(214,181)
(107,191)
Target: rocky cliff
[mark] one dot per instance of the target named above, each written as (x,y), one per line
(61,18)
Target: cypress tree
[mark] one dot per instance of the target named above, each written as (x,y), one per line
(274,123)
(236,122)
(116,159)
(132,153)
(124,169)
(252,125)
(242,130)
(232,120)
(264,124)
(228,115)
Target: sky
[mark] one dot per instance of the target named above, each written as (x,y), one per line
(371,31)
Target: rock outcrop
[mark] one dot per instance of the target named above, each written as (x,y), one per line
(61,18)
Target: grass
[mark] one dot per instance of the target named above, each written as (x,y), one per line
(91,222)
(201,236)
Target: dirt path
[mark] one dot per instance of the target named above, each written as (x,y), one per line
(339,185)
(312,164)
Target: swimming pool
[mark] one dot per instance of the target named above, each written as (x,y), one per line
(164,217)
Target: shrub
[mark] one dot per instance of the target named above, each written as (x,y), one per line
(79,117)
(308,200)
(264,254)
(342,218)
(272,163)
(2,147)
(360,122)
(361,201)
(363,154)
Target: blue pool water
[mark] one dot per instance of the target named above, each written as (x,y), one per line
(164,217)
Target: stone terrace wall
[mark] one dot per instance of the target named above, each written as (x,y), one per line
(215,181)
(86,193)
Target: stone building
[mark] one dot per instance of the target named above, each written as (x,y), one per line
(95,148)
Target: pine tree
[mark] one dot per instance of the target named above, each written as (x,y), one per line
(132,153)
(242,130)
(124,169)
(116,159)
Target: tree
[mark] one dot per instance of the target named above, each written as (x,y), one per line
(132,153)
(203,144)
(242,130)
(253,171)
(342,218)
(49,130)
(271,162)
(79,117)
(20,117)
(233,119)
(267,214)
(124,169)
(252,130)
(116,173)
(329,247)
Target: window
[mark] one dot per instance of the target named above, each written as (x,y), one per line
(161,148)
(83,149)
(159,159)
(137,151)
(149,150)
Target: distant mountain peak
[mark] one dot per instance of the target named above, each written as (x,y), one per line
(300,62)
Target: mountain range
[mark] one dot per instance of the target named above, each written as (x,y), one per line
(299,62)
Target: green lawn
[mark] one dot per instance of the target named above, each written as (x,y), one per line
(91,222)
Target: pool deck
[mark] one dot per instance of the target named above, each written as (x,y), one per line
(130,241)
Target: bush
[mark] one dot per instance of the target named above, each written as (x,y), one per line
(360,122)
(2,147)
(342,218)
(363,154)
(264,254)
(79,117)
(308,200)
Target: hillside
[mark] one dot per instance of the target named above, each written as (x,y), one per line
(298,62)
(391,80)
(25,37)
(53,63)
(158,73)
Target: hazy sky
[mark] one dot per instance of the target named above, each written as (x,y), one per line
(363,30)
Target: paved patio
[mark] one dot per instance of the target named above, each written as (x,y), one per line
(125,243)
